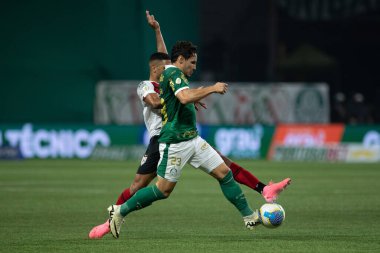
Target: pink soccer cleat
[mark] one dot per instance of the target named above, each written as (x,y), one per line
(100,230)
(271,191)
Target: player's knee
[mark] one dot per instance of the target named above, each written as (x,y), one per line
(166,193)
(165,188)
(220,172)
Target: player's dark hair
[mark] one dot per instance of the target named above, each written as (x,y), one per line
(159,56)
(184,48)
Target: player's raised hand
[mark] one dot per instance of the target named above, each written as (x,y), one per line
(220,88)
(152,21)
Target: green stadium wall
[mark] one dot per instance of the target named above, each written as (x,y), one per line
(54,52)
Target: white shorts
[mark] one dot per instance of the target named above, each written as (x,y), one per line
(196,152)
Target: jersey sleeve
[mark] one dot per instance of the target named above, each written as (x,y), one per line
(144,89)
(178,81)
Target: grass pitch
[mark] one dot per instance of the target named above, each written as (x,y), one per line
(50,206)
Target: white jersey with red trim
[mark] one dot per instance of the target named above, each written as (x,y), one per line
(152,117)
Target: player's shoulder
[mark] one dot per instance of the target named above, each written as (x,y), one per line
(145,83)
(171,70)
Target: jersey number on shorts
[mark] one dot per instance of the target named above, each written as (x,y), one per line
(175,161)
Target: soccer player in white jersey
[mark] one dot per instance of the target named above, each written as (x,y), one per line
(148,94)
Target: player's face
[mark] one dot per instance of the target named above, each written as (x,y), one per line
(163,63)
(159,66)
(190,65)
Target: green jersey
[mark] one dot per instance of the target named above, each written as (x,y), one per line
(178,120)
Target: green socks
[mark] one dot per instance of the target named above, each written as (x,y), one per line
(146,196)
(142,198)
(234,194)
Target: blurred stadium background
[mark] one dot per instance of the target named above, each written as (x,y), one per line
(304,86)
(69,71)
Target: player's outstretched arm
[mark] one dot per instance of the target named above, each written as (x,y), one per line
(161,47)
(186,96)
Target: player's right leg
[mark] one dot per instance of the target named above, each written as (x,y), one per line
(210,161)
(243,176)
(234,194)
(269,192)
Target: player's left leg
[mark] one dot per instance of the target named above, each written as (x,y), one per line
(172,159)
(140,181)
(143,198)
(146,172)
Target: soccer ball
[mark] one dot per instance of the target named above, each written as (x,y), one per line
(271,215)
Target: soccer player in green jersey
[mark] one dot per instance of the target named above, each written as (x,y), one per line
(180,143)
(148,94)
